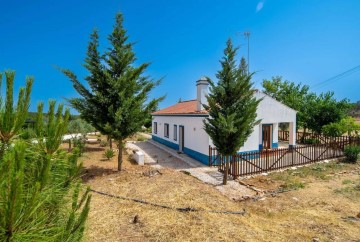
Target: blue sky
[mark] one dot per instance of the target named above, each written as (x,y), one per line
(304,41)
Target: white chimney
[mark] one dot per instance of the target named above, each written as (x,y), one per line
(202,86)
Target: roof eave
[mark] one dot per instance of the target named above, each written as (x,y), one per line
(179,114)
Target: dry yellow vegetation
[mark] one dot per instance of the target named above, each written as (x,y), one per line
(315,211)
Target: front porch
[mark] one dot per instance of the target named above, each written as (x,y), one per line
(269,136)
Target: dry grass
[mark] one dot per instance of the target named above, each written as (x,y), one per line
(301,215)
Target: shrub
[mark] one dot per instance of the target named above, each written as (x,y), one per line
(141,138)
(109,154)
(80,144)
(27,134)
(311,141)
(292,183)
(76,151)
(103,143)
(333,129)
(352,153)
(79,126)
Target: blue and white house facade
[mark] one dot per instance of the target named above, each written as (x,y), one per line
(181,126)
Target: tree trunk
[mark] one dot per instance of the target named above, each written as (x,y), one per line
(226,171)
(69,145)
(303,136)
(120,146)
(110,142)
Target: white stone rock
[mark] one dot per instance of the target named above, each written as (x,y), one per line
(139,158)
(92,141)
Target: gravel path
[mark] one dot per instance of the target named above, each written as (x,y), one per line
(160,156)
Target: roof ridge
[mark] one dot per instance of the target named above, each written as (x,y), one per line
(185,107)
(187,101)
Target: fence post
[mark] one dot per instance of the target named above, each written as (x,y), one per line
(226,170)
(235,167)
(267,158)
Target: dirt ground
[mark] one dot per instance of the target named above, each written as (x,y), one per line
(322,207)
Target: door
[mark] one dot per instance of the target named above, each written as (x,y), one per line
(181,138)
(266,130)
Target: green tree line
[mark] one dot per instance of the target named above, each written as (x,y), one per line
(315,111)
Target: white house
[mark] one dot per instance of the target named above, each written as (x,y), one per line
(180,126)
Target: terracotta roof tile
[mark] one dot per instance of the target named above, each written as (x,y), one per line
(185,107)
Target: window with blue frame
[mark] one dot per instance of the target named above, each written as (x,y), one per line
(166,130)
(175,132)
(155,128)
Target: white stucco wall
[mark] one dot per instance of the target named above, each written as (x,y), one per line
(252,143)
(273,112)
(269,111)
(195,137)
(276,131)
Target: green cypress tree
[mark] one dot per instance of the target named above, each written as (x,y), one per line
(243,66)
(231,106)
(117,103)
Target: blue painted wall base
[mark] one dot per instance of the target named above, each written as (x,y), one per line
(165,142)
(192,153)
(197,155)
(273,146)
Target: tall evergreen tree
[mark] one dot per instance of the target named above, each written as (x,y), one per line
(117,102)
(243,66)
(231,106)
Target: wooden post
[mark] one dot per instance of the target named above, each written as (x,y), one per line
(226,170)
(236,166)
(69,145)
(267,158)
